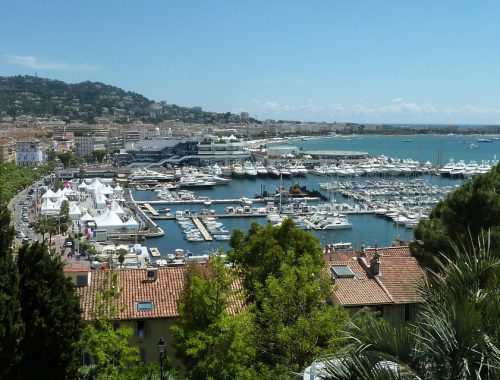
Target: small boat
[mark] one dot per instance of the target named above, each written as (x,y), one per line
(154,252)
(484,140)
(406,140)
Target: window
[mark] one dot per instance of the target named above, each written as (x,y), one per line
(82,280)
(116,325)
(86,358)
(145,306)
(342,271)
(142,352)
(141,329)
(380,310)
(408,312)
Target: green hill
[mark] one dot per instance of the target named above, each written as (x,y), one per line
(88,101)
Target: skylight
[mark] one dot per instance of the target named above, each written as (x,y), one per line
(342,271)
(145,306)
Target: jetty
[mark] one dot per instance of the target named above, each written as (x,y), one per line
(206,235)
(151,209)
(218,201)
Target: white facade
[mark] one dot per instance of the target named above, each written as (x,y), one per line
(29,153)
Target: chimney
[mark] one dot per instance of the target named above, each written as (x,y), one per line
(375,263)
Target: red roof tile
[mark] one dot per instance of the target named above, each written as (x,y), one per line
(396,283)
(164,292)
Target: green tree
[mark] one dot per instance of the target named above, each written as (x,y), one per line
(46,225)
(107,345)
(288,285)
(51,313)
(99,154)
(455,336)
(11,325)
(214,344)
(470,209)
(64,219)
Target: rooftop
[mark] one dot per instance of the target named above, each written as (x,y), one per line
(396,283)
(140,297)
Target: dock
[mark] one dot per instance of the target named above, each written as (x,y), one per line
(155,252)
(217,201)
(151,209)
(206,235)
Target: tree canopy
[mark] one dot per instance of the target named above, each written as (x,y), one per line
(11,324)
(470,209)
(289,291)
(51,314)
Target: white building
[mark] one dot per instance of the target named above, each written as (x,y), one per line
(29,153)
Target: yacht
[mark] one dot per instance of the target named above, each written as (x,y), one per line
(249,169)
(272,171)
(261,169)
(302,169)
(237,170)
(285,173)
(143,175)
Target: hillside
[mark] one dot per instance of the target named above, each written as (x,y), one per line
(92,102)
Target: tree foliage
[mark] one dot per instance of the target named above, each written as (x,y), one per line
(470,209)
(51,314)
(11,325)
(286,282)
(15,178)
(214,344)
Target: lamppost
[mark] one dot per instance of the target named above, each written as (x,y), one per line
(161,350)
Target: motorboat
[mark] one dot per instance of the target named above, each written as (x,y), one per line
(261,169)
(249,169)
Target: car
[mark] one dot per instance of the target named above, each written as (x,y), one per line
(26,240)
(68,244)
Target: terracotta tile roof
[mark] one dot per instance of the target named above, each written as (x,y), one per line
(164,292)
(401,275)
(396,284)
(400,251)
(360,290)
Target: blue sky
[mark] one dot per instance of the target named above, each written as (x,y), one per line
(358,61)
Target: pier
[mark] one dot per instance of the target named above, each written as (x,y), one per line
(202,229)
(218,201)
(151,209)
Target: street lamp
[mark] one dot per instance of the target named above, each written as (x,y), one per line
(161,350)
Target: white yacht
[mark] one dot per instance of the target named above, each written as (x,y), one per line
(249,169)
(261,169)
(272,171)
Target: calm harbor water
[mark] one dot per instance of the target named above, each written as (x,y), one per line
(367,229)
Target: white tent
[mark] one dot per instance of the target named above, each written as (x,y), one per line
(118,189)
(74,211)
(110,222)
(49,208)
(131,224)
(116,208)
(48,194)
(86,217)
(83,186)
(100,201)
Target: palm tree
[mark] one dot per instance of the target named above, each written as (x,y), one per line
(455,336)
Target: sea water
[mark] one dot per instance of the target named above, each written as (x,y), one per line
(368,229)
